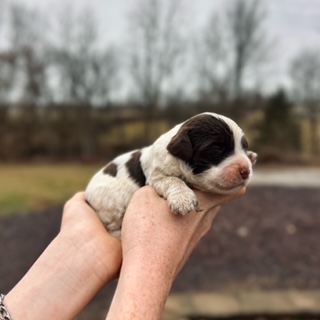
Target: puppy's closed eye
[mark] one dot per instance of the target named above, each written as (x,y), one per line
(244,143)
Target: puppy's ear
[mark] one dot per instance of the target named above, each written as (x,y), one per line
(180,146)
(252,156)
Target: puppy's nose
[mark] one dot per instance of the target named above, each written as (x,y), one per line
(244,172)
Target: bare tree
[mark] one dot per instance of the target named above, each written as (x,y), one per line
(305,75)
(7,58)
(156,46)
(233,43)
(86,74)
(211,58)
(3,16)
(29,48)
(247,38)
(7,62)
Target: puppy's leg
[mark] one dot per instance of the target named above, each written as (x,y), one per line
(180,197)
(109,196)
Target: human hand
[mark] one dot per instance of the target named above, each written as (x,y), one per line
(150,230)
(74,267)
(156,245)
(82,229)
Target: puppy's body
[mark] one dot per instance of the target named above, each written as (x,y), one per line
(207,152)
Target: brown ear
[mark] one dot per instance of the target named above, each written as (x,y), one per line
(180,146)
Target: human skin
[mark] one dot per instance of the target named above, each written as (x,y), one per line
(84,257)
(69,273)
(155,246)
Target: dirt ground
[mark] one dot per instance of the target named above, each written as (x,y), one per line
(269,239)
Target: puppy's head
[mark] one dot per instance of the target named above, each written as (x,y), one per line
(216,152)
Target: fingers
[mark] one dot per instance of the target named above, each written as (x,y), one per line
(151,209)
(148,199)
(79,199)
(228,198)
(79,196)
(77,208)
(208,200)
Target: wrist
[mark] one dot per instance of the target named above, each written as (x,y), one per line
(142,290)
(66,272)
(99,253)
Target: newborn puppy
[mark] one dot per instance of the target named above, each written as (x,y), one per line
(208,152)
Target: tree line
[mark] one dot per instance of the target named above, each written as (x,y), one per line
(58,61)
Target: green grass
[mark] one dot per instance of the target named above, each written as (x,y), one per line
(25,188)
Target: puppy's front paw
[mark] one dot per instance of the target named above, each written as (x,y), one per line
(252,156)
(183,202)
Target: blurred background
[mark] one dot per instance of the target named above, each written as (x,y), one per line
(82,81)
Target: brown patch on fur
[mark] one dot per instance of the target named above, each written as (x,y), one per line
(202,141)
(111,169)
(180,145)
(135,170)
(244,143)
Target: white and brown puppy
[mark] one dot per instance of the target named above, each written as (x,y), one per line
(208,152)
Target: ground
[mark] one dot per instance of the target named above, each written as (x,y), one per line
(267,240)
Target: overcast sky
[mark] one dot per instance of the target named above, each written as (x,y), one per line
(293,24)
(294,21)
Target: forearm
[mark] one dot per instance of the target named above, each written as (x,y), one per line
(156,244)
(142,289)
(148,271)
(60,283)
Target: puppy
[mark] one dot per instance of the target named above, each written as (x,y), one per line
(208,152)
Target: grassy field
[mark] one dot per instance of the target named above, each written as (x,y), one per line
(25,188)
